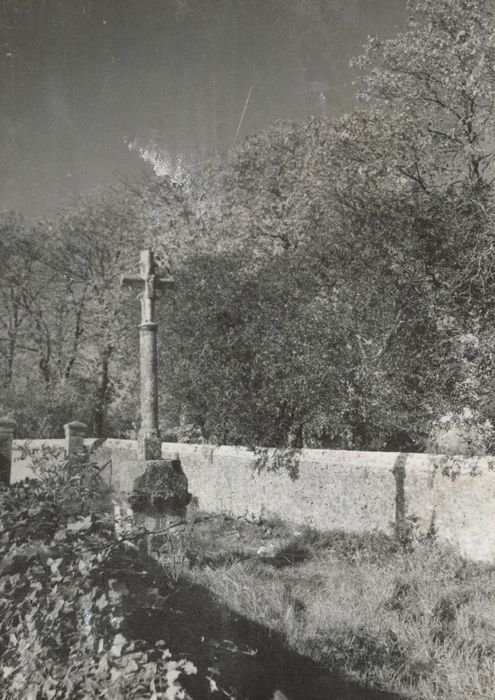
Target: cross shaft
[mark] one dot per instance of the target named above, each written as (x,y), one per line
(150,283)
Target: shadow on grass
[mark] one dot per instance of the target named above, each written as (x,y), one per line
(219,560)
(370,546)
(373,547)
(246,660)
(291,554)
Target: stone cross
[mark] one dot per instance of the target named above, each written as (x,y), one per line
(149,282)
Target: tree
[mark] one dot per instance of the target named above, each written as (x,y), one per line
(255,355)
(64,287)
(25,289)
(15,275)
(391,206)
(413,184)
(430,94)
(271,192)
(91,247)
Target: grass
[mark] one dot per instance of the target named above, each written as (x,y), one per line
(419,622)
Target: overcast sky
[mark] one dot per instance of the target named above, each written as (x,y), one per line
(86,85)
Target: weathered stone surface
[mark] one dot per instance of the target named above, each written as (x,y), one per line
(149,444)
(161,489)
(149,378)
(454,497)
(325,489)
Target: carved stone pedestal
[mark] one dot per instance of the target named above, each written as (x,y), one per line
(159,498)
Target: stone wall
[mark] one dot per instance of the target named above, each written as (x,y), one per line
(453,498)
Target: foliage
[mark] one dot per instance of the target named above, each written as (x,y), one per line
(66,333)
(464,433)
(64,598)
(348,338)
(255,355)
(272,191)
(435,84)
(74,481)
(391,210)
(382,222)
(415,194)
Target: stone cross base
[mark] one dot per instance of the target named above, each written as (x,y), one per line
(149,445)
(160,496)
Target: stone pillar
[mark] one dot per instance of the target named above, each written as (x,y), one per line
(7,427)
(159,496)
(149,442)
(75,433)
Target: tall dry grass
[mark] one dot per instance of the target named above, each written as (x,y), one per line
(418,621)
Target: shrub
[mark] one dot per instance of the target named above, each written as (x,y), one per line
(466,433)
(64,595)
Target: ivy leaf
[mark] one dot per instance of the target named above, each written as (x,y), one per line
(102,602)
(54,565)
(83,567)
(118,643)
(115,674)
(80,525)
(131,666)
(56,610)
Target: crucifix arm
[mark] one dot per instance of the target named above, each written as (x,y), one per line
(164,283)
(149,284)
(139,283)
(133,282)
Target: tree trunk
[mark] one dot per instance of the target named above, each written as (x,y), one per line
(75,345)
(10,359)
(295,438)
(102,393)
